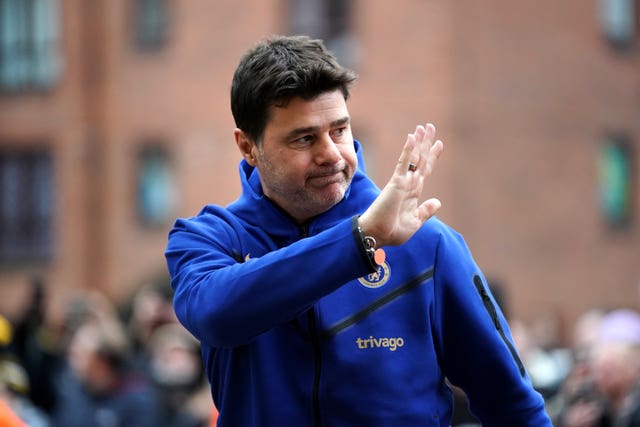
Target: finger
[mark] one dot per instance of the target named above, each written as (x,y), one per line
(424,139)
(429,208)
(433,156)
(416,153)
(429,135)
(420,133)
(405,158)
(431,130)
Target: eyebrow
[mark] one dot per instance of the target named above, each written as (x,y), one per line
(311,129)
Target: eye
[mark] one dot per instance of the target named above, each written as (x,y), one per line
(304,140)
(337,133)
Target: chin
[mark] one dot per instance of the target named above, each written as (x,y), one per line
(325,200)
(333,200)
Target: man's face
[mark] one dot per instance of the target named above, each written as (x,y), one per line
(307,158)
(615,368)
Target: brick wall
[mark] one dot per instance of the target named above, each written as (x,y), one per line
(521,93)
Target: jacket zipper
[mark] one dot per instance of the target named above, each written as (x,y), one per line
(380,302)
(315,341)
(491,309)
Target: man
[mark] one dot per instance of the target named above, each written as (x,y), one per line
(615,365)
(98,388)
(302,319)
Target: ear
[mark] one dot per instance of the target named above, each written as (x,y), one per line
(246,146)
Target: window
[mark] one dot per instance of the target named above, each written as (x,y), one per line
(156,195)
(151,18)
(26,206)
(616,169)
(328,20)
(619,21)
(29,44)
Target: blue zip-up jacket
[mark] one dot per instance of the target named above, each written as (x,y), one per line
(297,329)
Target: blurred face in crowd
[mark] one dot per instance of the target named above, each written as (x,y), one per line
(175,357)
(83,355)
(615,369)
(306,158)
(95,354)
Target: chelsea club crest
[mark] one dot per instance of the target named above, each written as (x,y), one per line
(377,278)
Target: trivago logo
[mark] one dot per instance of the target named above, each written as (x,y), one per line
(391,344)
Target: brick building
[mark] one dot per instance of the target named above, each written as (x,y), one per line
(114,119)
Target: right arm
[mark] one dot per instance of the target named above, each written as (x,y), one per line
(225,303)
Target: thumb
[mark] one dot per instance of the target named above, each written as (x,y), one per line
(428,209)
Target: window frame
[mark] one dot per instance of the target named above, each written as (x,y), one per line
(617,218)
(27,217)
(152,150)
(149,36)
(30,56)
(621,30)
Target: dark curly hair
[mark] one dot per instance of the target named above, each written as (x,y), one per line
(278,69)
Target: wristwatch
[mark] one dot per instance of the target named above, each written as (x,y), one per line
(367,244)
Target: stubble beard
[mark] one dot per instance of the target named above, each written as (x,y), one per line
(301,202)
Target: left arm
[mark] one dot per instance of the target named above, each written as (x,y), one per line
(475,346)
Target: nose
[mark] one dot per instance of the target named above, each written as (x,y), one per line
(326,151)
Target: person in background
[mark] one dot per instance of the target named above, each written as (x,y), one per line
(547,362)
(603,386)
(319,299)
(149,309)
(176,370)
(14,391)
(18,408)
(98,389)
(616,365)
(35,346)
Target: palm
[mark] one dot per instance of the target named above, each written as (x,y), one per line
(398,213)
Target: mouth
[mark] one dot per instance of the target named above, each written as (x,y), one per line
(323,179)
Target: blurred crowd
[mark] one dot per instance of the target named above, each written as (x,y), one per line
(104,365)
(591,381)
(134,365)
(600,387)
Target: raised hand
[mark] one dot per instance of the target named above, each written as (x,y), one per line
(398,212)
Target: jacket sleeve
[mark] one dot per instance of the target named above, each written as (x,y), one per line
(474,343)
(225,301)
